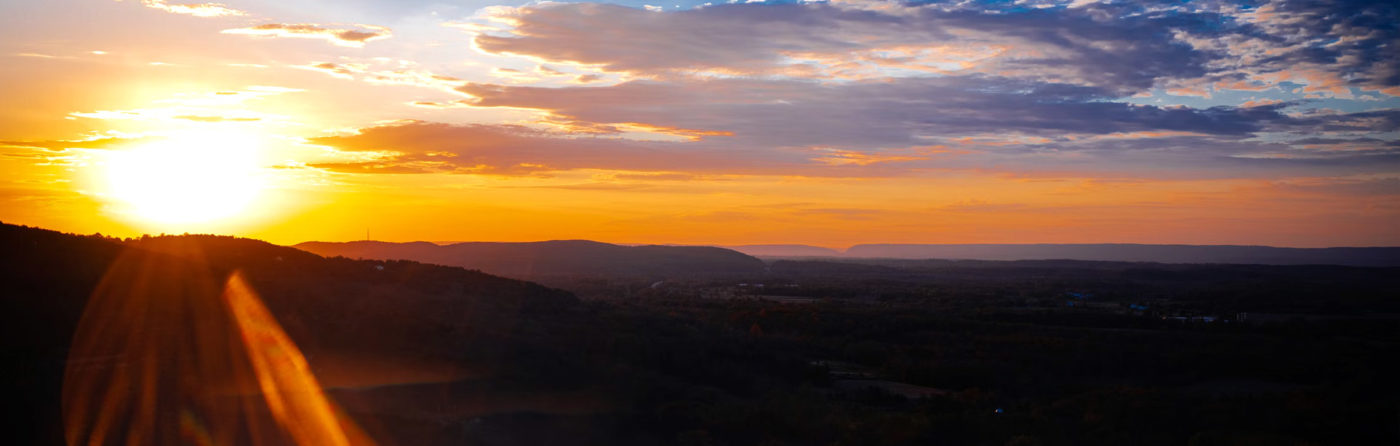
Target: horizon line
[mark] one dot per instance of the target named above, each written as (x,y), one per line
(847,248)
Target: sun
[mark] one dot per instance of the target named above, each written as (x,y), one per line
(186,179)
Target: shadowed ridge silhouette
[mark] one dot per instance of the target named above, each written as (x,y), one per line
(557,258)
(163,355)
(366,327)
(786,251)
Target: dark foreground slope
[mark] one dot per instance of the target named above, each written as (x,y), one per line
(559,258)
(880,353)
(363,323)
(1261,255)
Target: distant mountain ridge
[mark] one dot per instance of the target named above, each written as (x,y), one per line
(1114,252)
(786,250)
(556,258)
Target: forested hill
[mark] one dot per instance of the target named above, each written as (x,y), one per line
(558,258)
(394,312)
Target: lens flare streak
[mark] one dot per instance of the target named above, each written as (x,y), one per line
(164,356)
(291,391)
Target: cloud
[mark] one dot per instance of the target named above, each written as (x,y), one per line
(424,147)
(437,104)
(513,150)
(351,37)
(383,71)
(194,109)
(194,9)
(109,142)
(836,157)
(343,71)
(41,56)
(863,115)
(382,167)
(1349,43)
(740,39)
(660,177)
(825,41)
(213,119)
(906,125)
(1123,48)
(501,150)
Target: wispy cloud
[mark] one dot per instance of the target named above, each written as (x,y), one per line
(836,157)
(504,150)
(41,56)
(194,9)
(352,36)
(214,118)
(100,142)
(899,112)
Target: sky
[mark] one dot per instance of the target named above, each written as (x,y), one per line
(826,123)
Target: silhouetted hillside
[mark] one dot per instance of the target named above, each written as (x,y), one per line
(786,251)
(370,316)
(559,258)
(1263,255)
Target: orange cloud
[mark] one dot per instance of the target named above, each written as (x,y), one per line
(571,126)
(850,157)
(91,143)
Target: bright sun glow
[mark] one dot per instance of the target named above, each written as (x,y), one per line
(186,178)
